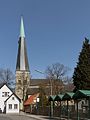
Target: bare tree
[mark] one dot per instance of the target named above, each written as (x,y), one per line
(56,71)
(68,84)
(55,74)
(7,76)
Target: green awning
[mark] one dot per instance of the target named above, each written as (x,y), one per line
(68,96)
(52,98)
(58,97)
(81,94)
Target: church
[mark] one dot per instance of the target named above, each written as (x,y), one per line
(22,67)
(25,86)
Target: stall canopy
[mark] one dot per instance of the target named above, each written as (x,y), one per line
(58,97)
(52,98)
(68,96)
(81,94)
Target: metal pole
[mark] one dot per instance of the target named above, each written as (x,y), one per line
(89,108)
(51,89)
(36,107)
(52,108)
(67,111)
(77,111)
(60,110)
(52,103)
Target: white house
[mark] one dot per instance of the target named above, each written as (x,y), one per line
(12,104)
(9,102)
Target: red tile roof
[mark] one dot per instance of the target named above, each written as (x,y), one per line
(31,99)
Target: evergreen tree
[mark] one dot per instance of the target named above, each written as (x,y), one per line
(43,99)
(81,75)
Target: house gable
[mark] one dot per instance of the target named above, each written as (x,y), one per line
(12,104)
(5,92)
(9,102)
(14,96)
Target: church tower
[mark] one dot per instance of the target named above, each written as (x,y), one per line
(22,67)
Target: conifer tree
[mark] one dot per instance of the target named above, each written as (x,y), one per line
(81,75)
(43,99)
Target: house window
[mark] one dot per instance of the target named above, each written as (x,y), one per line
(15,106)
(5,94)
(2,94)
(10,106)
(12,98)
(8,94)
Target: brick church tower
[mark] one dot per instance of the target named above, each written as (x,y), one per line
(22,67)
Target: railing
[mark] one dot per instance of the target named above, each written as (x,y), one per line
(72,114)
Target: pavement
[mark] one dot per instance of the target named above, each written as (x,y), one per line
(40,117)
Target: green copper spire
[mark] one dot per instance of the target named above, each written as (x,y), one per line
(22,34)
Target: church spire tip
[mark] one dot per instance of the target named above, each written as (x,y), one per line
(22,33)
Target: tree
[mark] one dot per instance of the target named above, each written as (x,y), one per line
(7,76)
(81,75)
(68,84)
(55,74)
(56,71)
(43,99)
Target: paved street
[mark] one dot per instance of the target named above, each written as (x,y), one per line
(15,117)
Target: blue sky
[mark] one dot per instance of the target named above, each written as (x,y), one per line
(54,29)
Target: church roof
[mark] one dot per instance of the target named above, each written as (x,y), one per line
(31,91)
(36,82)
(22,59)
